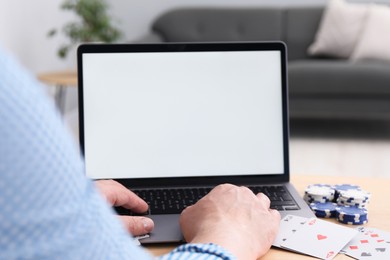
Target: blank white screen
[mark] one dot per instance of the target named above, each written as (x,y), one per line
(182,114)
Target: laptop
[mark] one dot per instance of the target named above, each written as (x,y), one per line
(170,121)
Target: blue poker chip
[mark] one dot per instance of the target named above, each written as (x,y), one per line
(340,187)
(349,222)
(364,217)
(323,214)
(324,210)
(315,198)
(351,215)
(351,211)
(321,185)
(353,221)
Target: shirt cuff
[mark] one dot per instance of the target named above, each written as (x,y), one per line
(199,251)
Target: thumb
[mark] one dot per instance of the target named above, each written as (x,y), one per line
(137,225)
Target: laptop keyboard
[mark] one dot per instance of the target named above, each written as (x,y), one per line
(173,201)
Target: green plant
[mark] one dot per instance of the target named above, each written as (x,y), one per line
(94,25)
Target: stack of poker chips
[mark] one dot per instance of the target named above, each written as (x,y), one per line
(324,210)
(352,215)
(345,202)
(357,198)
(344,187)
(319,193)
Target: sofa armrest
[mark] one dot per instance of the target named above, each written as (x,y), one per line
(151,37)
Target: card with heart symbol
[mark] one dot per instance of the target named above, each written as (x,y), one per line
(318,238)
(369,243)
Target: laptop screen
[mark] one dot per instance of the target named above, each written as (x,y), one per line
(182,113)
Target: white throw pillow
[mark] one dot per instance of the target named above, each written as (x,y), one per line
(374,42)
(339,29)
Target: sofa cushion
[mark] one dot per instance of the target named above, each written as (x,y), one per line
(220,24)
(339,77)
(301,24)
(339,30)
(374,42)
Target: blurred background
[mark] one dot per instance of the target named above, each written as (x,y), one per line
(326,146)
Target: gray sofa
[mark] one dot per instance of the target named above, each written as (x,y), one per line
(319,87)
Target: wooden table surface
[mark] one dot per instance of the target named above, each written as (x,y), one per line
(59,78)
(379,210)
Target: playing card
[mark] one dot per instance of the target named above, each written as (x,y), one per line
(319,238)
(138,238)
(288,226)
(136,241)
(369,243)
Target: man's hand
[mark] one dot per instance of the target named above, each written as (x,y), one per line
(118,195)
(234,218)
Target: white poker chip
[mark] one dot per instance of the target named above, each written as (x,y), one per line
(358,195)
(319,193)
(315,190)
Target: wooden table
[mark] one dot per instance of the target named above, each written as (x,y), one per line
(61,80)
(379,210)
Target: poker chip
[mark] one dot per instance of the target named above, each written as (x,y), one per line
(340,187)
(324,210)
(358,198)
(319,189)
(319,193)
(361,204)
(353,223)
(345,202)
(351,211)
(351,215)
(311,198)
(344,187)
(360,195)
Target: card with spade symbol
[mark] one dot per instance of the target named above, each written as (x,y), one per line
(369,243)
(319,238)
(288,226)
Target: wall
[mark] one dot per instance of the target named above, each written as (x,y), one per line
(24,24)
(23,29)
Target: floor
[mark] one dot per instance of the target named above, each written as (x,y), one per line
(328,147)
(349,148)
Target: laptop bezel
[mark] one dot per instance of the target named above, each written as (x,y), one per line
(193,47)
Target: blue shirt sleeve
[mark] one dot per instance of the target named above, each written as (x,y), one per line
(48,208)
(199,252)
